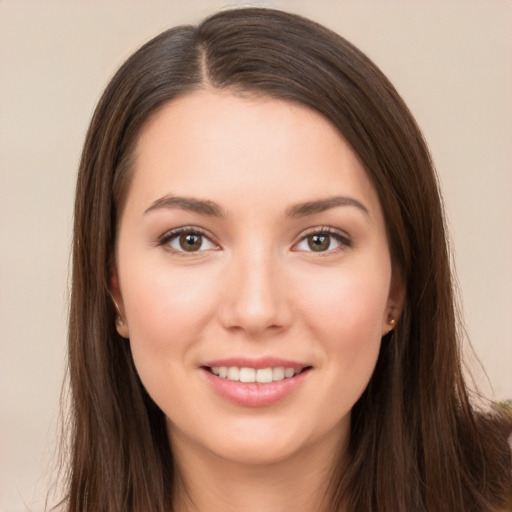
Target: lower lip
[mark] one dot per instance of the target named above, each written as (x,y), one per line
(252,394)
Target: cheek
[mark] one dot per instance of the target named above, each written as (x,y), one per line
(166,312)
(345,311)
(347,300)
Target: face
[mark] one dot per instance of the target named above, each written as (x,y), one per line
(253,275)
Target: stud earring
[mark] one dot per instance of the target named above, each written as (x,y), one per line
(119,322)
(391,322)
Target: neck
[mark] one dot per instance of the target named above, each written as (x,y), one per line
(208,483)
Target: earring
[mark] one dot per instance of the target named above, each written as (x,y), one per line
(119,319)
(391,322)
(121,326)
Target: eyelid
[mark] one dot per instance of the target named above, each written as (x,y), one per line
(164,239)
(341,236)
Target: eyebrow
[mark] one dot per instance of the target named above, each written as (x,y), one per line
(191,204)
(321,205)
(206,207)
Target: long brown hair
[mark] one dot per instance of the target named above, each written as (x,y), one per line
(416,443)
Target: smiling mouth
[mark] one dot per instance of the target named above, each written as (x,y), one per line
(255,376)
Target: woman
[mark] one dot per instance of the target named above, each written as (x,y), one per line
(262,313)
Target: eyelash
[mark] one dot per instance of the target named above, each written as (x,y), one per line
(168,237)
(343,240)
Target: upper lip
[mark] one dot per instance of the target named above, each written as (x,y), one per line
(258,363)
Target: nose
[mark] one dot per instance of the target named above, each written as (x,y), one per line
(253,298)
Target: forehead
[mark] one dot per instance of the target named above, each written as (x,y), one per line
(215,144)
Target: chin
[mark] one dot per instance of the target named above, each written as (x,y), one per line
(255,442)
(261,451)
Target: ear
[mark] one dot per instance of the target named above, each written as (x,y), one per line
(117,299)
(395,302)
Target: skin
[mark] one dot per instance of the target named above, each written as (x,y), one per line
(254,288)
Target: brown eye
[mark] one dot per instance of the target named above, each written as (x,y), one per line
(319,242)
(324,240)
(187,241)
(190,242)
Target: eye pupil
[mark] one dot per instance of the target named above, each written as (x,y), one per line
(319,243)
(190,242)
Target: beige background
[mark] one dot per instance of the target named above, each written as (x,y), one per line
(451,60)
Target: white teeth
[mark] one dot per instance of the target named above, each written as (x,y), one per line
(264,375)
(234,373)
(289,372)
(278,373)
(261,376)
(247,375)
